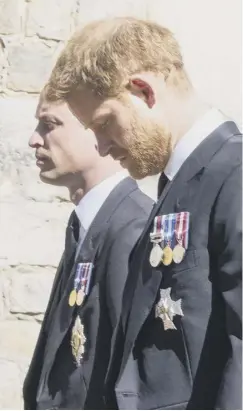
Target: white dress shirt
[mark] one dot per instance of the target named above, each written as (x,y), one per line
(212,119)
(91,203)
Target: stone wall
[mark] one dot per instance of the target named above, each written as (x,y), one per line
(32,215)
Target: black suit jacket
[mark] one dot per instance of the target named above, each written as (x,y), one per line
(197,366)
(53,380)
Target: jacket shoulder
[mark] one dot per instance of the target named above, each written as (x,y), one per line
(227,158)
(140,201)
(133,210)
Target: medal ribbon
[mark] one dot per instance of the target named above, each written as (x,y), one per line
(86,277)
(77,278)
(182,228)
(158,231)
(168,223)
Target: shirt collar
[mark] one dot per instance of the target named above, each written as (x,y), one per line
(187,144)
(90,204)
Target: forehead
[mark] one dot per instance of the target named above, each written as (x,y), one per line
(88,107)
(49,109)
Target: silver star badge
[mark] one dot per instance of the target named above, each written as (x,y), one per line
(166,309)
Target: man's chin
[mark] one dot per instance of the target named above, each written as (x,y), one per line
(50,179)
(136,174)
(139,174)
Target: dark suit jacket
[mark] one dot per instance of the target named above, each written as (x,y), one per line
(53,380)
(197,366)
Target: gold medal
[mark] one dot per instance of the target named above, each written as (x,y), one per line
(80,297)
(167,255)
(72,298)
(178,253)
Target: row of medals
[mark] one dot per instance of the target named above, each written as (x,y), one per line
(76,297)
(164,255)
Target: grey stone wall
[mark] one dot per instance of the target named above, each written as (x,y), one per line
(33,216)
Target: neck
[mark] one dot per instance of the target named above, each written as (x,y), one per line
(186,109)
(92,177)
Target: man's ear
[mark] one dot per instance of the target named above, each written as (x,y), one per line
(140,86)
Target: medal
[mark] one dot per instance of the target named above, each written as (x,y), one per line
(78,341)
(80,297)
(167,256)
(156,237)
(73,294)
(81,284)
(169,223)
(167,309)
(155,255)
(171,231)
(72,298)
(181,234)
(178,254)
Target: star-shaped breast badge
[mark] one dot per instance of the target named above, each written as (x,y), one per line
(78,340)
(166,309)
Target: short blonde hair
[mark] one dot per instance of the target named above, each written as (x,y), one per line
(104,54)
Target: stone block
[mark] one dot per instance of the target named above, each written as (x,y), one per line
(97,9)
(11,382)
(50,19)
(17,343)
(32,233)
(30,64)
(3,65)
(18,339)
(12,13)
(3,291)
(28,289)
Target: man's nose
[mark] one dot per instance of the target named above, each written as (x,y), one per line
(103,147)
(36,140)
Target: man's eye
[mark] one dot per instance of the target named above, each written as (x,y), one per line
(49,126)
(104,125)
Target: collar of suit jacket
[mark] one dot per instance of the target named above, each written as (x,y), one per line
(204,126)
(91,203)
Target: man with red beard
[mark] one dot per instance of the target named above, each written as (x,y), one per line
(125,79)
(74,349)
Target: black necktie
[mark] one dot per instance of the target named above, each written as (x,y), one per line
(163,180)
(75,225)
(72,234)
(71,242)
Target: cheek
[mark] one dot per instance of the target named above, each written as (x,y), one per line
(61,146)
(118,133)
(54,139)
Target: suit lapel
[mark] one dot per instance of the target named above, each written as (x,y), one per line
(64,269)
(140,302)
(90,249)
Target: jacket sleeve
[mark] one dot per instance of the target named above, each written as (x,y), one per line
(32,378)
(228,242)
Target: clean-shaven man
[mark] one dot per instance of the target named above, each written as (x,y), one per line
(125,79)
(72,358)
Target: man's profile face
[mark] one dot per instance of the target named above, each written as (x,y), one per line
(63,148)
(125,129)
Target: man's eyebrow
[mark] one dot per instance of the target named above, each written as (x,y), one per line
(49,117)
(100,117)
